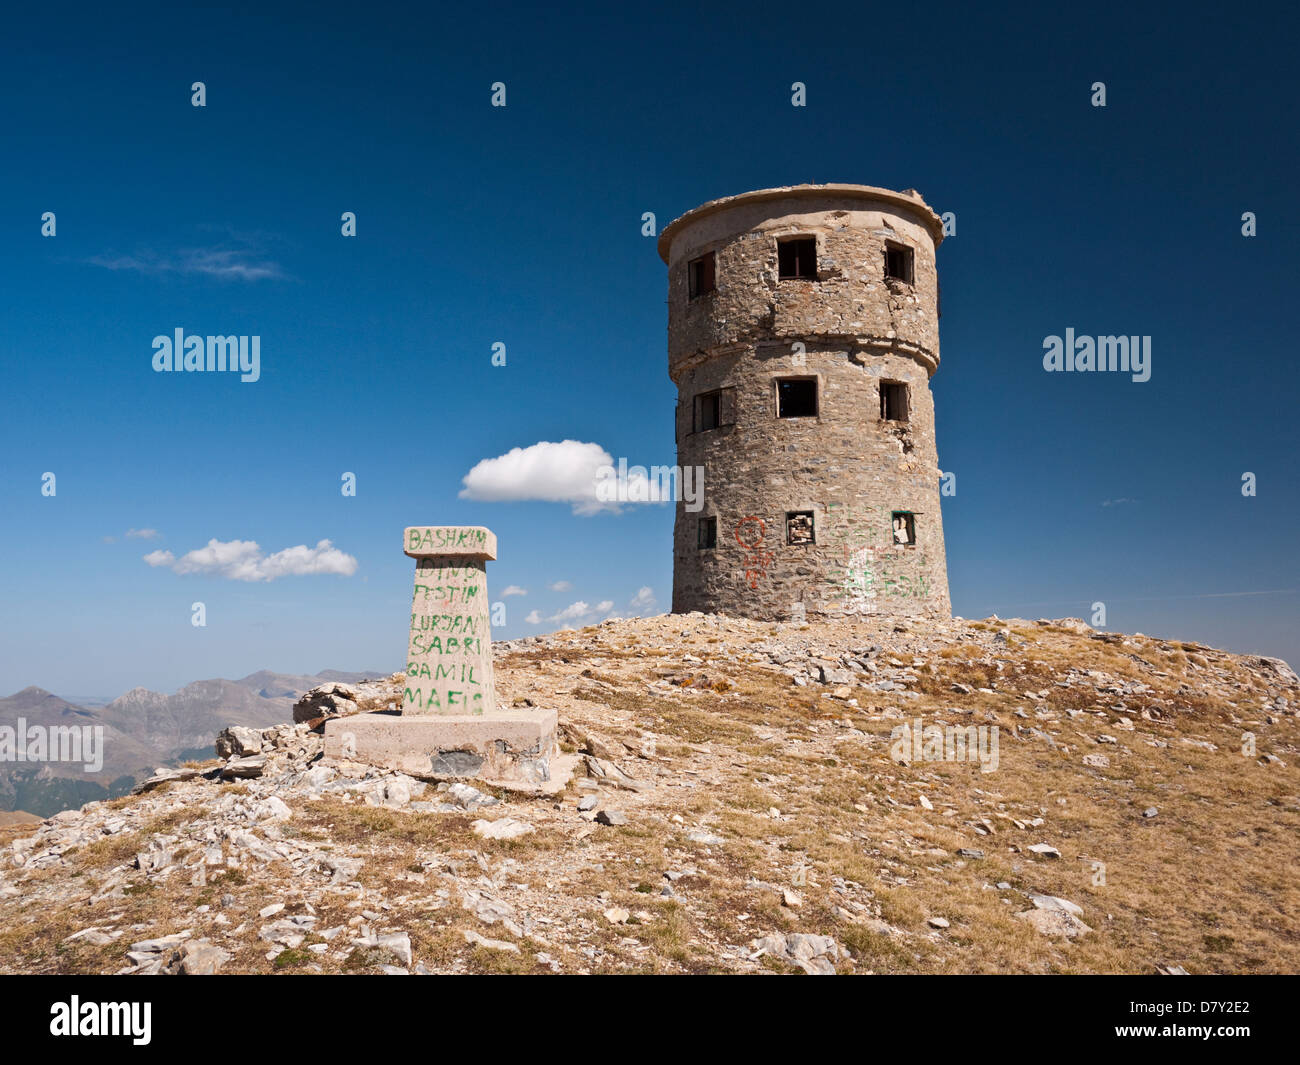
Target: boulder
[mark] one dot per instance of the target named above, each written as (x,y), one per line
(341,700)
(239,741)
(199,958)
(1055,923)
(1278,667)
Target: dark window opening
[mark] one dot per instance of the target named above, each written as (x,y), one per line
(708,411)
(712,410)
(796,397)
(898,262)
(799,527)
(893,401)
(797,259)
(701,275)
(708,533)
(904,524)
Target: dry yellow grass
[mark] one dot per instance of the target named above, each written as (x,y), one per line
(802,793)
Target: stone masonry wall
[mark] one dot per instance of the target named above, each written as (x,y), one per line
(846,466)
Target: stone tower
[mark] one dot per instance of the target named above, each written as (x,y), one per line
(803,327)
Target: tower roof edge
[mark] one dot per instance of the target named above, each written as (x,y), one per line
(909,199)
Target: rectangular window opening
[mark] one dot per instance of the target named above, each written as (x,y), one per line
(708,533)
(708,411)
(701,275)
(799,527)
(893,401)
(904,523)
(898,262)
(796,397)
(797,259)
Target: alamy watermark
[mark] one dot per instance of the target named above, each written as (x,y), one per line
(53,743)
(196,354)
(914,742)
(1110,353)
(119,1019)
(660,484)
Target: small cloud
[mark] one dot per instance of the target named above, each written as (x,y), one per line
(108,539)
(1117,502)
(644,601)
(572,612)
(560,586)
(242,560)
(579,613)
(142,534)
(513,589)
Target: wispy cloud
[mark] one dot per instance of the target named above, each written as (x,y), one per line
(243,560)
(513,589)
(560,586)
(226,264)
(142,534)
(1117,502)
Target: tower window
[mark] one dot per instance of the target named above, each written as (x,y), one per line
(796,397)
(708,411)
(898,262)
(701,275)
(893,401)
(904,524)
(797,258)
(708,533)
(799,527)
(714,409)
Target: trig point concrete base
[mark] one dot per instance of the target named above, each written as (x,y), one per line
(449,724)
(506,747)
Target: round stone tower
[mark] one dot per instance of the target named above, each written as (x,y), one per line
(803,327)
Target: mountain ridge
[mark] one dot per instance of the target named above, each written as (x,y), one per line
(144,730)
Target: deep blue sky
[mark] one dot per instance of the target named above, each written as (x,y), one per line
(523,225)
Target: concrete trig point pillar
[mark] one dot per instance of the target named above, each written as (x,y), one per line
(449,658)
(449,724)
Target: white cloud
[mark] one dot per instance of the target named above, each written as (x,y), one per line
(577,613)
(563,472)
(643,600)
(142,534)
(571,612)
(560,586)
(513,589)
(242,560)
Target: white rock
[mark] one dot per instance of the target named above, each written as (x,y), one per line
(474,939)
(503,828)
(1051,902)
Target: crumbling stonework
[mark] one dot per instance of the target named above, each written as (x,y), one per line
(834,512)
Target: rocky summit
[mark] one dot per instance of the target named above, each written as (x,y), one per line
(865,796)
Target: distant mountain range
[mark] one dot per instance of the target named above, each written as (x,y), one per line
(144,729)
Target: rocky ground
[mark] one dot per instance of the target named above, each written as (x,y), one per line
(738,804)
